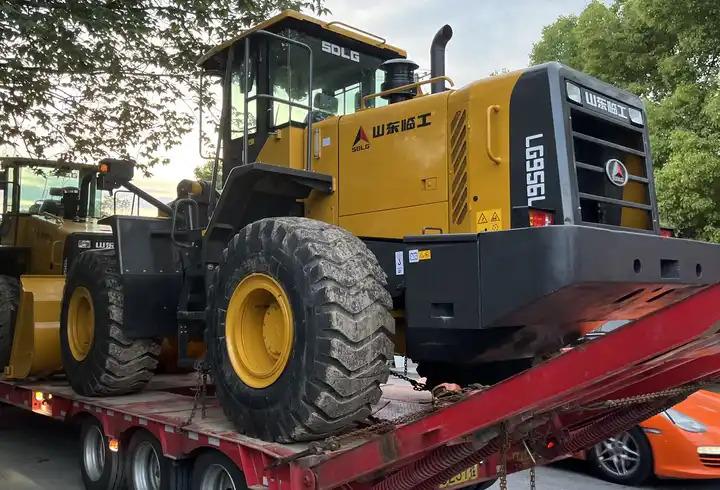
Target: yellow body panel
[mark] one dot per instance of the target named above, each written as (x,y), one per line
(394,156)
(319,206)
(36,342)
(425,219)
(285,148)
(480,183)
(45,237)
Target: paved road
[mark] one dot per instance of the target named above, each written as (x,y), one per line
(37,453)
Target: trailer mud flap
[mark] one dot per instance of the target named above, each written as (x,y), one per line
(36,341)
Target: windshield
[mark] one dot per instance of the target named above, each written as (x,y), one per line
(340,78)
(42,190)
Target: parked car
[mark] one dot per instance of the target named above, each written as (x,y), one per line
(682,442)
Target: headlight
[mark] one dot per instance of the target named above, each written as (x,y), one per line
(573,92)
(685,422)
(635,116)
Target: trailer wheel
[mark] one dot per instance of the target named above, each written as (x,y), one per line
(9,303)
(101,469)
(98,358)
(147,468)
(302,330)
(215,471)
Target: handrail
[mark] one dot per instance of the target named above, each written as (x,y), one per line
(405,87)
(356,29)
(490,111)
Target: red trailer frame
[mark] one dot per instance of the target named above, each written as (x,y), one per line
(566,404)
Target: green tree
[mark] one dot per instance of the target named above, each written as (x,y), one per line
(83,79)
(668,52)
(204,170)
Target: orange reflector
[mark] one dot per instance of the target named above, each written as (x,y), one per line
(114,444)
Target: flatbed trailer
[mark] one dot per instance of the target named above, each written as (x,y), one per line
(417,440)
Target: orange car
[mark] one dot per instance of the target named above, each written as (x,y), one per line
(683,442)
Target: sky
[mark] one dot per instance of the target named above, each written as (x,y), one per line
(489,35)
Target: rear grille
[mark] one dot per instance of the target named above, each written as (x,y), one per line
(596,141)
(458,155)
(711,460)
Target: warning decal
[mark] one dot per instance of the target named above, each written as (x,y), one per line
(488,220)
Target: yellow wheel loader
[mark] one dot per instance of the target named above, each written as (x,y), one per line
(365,213)
(49,217)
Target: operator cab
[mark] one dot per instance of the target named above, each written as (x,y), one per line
(62,189)
(288,73)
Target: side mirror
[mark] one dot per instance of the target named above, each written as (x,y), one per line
(114,173)
(56,191)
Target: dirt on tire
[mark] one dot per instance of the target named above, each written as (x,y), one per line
(115,364)
(342,323)
(9,304)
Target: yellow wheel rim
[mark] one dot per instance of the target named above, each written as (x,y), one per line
(259,330)
(81,323)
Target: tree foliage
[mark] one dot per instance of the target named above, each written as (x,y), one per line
(667,51)
(83,79)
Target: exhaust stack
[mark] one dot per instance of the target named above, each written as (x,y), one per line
(437,57)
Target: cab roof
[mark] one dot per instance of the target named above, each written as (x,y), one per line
(6,162)
(214,59)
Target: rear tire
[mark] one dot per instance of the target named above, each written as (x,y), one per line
(341,330)
(9,304)
(215,471)
(98,358)
(100,468)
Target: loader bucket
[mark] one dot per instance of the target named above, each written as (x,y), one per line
(36,342)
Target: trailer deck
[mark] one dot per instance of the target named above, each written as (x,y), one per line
(561,406)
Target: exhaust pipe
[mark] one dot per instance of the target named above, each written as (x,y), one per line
(437,57)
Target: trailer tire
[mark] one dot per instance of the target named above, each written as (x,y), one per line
(99,360)
(145,460)
(215,471)
(100,468)
(328,287)
(9,304)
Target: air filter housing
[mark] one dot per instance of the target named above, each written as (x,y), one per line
(398,72)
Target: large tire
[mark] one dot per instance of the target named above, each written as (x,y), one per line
(9,303)
(342,329)
(106,362)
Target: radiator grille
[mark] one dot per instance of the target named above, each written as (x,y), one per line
(458,155)
(596,141)
(710,460)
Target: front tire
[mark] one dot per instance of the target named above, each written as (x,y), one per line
(9,304)
(98,358)
(626,459)
(302,334)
